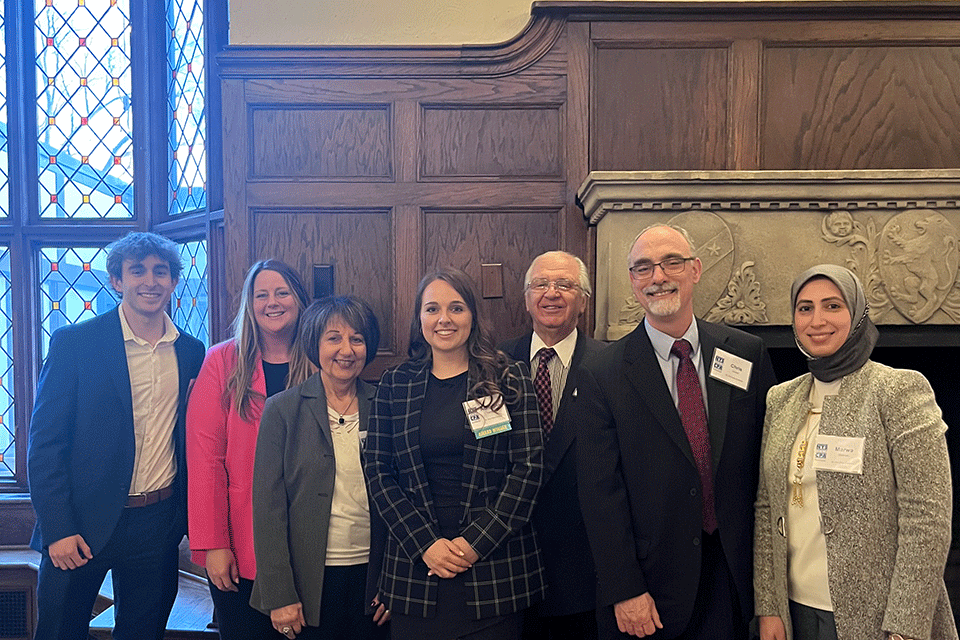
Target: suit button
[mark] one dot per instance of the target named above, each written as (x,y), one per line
(693,492)
(826,524)
(696,542)
(323,494)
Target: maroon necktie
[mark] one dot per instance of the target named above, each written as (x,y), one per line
(541,384)
(693,415)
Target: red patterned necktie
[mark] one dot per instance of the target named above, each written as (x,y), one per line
(693,415)
(541,384)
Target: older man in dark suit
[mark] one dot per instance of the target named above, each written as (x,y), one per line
(671,417)
(106,452)
(556,288)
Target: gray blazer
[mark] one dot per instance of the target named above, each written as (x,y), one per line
(293,478)
(887,530)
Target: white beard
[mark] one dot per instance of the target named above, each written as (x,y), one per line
(665,306)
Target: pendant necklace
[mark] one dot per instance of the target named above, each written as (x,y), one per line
(802,456)
(345,411)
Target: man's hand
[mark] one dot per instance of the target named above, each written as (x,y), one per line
(222,569)
(638,616)
(771,628)
(445,559)
(70,552)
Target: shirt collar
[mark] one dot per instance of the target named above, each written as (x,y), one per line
(170,331)
(564,348)
(663,343)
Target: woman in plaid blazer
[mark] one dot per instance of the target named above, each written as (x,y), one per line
(462,559)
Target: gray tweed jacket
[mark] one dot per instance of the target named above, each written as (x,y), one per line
(887,530)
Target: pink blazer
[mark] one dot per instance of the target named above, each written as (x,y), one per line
(220,452)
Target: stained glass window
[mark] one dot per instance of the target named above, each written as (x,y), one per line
(185,90)
(8,439)
(74,286)
(189,300)
(84,119)
(4,192)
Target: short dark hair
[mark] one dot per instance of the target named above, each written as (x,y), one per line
(137,245)
(352,310)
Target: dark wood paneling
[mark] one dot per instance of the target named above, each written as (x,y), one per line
(880,107)
(330,142)
(468,239)
(16,521)
(660,108)
(492,142)
(358,244)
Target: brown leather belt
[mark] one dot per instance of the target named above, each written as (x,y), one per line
(151,497)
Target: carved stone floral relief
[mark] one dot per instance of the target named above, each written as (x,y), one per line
(898,230)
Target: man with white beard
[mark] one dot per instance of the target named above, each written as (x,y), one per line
(670,420)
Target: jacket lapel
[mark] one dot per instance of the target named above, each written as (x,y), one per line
(643,371)
(718,393)
(315,401)
(555,447)
(114,350)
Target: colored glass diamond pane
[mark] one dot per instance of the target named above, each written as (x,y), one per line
(77,289)
(192,286)
(186,156)
(84,54)
(8,437)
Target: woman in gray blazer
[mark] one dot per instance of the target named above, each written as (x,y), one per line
(318,543)
(854,502)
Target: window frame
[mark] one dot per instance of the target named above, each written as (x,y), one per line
(24,232)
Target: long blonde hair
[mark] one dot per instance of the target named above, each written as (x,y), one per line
(238,392)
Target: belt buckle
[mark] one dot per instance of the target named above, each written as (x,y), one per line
(135,500)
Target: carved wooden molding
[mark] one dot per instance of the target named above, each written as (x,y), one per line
(899,230)
(472,61)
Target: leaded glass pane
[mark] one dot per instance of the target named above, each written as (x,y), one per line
(186,114)
(189,299)
(4,182)
(8,439)
(84,120)
(74,286)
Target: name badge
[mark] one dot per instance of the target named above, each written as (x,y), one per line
(484,421)
(731,369)
(836,453)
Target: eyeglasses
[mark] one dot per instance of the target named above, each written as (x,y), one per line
(541,285)
(670,266)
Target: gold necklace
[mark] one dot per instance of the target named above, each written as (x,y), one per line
(801,457)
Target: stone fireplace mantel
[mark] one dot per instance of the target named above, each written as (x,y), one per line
(899,230)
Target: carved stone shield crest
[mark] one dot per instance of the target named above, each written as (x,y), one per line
(918,261)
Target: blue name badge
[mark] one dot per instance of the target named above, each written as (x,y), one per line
(483,420)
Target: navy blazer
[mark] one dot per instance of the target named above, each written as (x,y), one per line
(501,477)
(81,448)
(557,518)
(639,486)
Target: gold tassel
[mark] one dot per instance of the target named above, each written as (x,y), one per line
(797,493)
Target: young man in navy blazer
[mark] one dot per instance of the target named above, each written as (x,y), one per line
(556,288)
(671,417)
(106,452)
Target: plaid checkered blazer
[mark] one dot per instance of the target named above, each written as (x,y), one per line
(501,477)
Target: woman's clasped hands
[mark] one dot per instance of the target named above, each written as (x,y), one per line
(447,558)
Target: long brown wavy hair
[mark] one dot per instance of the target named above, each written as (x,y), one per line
(487,366)
(246,335)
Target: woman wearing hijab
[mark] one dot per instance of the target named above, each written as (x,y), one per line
(854,501)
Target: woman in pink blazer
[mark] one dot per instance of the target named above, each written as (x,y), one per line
(223,416)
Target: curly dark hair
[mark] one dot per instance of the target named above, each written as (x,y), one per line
(137,245)
(487,366)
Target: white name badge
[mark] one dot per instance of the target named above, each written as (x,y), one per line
(836,453)
(484,421)
(731,369)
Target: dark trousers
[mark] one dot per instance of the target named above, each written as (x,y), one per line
(236,619)
(142,554)
(576,626)
(343,608)
(716,609)
(812,624)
